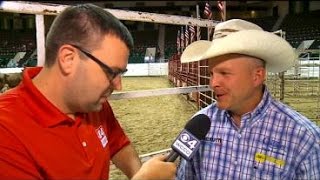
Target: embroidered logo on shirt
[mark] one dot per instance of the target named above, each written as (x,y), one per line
(217,141)
(102,136)
(274,146)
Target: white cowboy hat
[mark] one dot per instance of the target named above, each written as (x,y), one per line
(243,37)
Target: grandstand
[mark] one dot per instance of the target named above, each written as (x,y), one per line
(298,20)
(302,27)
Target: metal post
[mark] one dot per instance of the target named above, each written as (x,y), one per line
(198,63)
(40,30)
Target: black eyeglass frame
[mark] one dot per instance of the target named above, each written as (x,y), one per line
(106,69)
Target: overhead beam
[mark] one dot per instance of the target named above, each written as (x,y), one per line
(54,9)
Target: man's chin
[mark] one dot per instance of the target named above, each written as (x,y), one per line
(221,106)
(96,108)
(108,93)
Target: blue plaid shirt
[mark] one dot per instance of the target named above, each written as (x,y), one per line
(273,142)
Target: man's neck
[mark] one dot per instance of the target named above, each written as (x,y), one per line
(46,82)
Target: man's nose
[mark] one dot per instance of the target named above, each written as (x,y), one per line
(214,80)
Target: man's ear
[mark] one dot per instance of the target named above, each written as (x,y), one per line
(67,58)
(260,75)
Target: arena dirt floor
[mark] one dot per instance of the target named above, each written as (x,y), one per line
(152,123)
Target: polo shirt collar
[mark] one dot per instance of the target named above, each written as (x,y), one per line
(44,112)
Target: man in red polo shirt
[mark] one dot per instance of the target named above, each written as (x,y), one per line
(57,123)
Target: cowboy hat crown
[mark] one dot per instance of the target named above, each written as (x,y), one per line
(243,37)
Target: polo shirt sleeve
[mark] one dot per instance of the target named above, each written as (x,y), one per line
(15,163)
(117,138)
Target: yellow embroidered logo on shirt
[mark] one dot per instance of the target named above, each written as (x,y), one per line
(261,158)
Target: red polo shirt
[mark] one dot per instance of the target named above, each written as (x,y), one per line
(37,141)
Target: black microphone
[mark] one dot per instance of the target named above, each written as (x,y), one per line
(188,141)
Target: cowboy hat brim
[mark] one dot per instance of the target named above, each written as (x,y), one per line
(274,50)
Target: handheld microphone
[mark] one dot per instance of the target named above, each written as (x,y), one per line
(188,141)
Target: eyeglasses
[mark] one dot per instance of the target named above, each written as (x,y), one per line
(106,69)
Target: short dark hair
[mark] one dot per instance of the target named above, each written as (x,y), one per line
(83,25)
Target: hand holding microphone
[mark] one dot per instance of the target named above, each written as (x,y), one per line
(188,141)
(185,145)
(156,168)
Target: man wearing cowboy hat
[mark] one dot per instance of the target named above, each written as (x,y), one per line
(252,136)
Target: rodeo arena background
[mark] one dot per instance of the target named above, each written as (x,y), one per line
(159,93)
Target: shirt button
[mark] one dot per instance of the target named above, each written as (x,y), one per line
(84,144)
(239,136)
(235,162)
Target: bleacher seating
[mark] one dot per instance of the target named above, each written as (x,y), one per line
(12,42)
(266,23)
(142,40)
(170,49)
(315,44)
(300,27)
(24,60)
(136,57)
(31,62)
